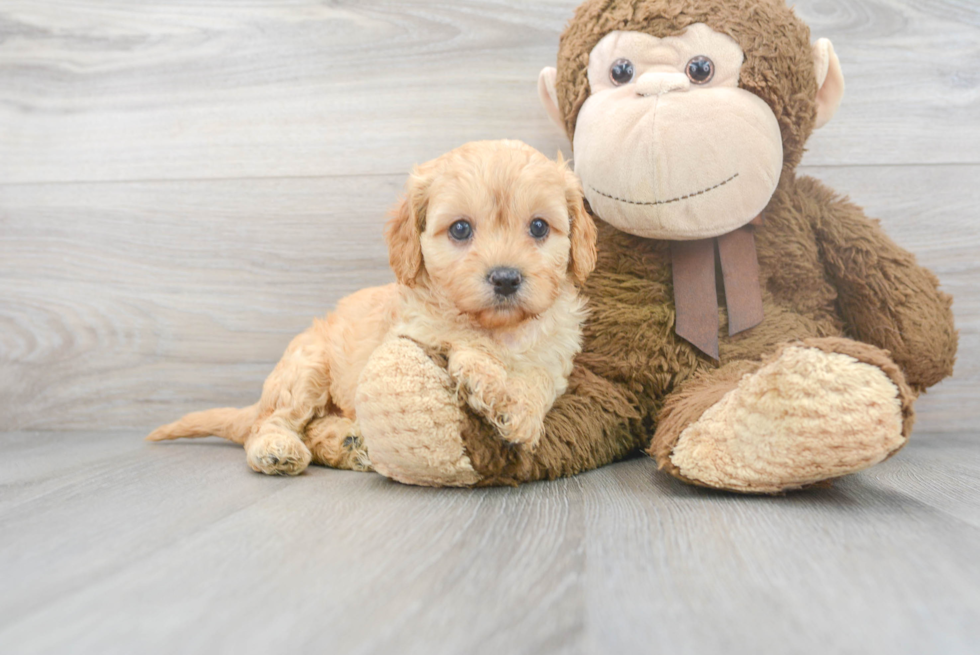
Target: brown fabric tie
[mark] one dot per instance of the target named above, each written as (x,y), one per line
(695,294)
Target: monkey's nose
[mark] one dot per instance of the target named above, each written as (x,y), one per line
(657,84)
(505,280)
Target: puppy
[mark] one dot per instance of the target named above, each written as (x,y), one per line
(488,247)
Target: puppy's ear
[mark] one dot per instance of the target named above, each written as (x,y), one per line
(404,231)
(583,231)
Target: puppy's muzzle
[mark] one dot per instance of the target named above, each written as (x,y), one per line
(505,281)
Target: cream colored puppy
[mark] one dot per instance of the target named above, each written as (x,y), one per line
(488,247)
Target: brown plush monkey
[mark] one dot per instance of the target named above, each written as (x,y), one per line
(749,329)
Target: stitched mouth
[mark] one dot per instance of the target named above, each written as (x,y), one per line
(665,202)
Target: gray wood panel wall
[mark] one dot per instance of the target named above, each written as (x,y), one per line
(184,185)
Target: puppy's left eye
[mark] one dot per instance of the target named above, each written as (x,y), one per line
(539,229)
(460,230)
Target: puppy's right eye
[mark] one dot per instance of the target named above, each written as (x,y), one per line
(539,229)
(460,231)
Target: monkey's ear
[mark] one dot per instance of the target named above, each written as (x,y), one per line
(404,233)
(548,93)
(830,81)
(583,231)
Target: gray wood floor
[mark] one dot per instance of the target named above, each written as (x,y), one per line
(184,185)
(108,545)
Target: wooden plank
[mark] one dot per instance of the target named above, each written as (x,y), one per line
(858,569)
(126,305)
(908,98)
(179,548)
(117,91)
(175,90)
(214,555)
(941,472)
(110,286)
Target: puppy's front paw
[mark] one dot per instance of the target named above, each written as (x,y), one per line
(518,426)
(483,383)
(275,451)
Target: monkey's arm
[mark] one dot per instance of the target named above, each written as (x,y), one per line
(416,431)
(886,298)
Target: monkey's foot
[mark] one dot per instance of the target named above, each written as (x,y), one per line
(811,413)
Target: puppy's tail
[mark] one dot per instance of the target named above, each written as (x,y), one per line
(228,423)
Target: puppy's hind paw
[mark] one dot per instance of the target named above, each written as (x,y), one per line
(277,453)
(357,454)
(336,442)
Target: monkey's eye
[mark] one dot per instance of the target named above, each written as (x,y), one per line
(621,72)
(539,229)
(700,70)
(460,231)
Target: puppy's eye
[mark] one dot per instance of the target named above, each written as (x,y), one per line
(621,72)
(539,229)
(700,70)
(460,230)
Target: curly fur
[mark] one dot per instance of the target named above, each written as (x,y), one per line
(509,356)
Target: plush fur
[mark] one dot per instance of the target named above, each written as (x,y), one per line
(508,355)
(841,300)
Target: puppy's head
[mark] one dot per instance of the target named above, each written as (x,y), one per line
(495,227)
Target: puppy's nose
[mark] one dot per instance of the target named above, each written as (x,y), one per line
(505,280)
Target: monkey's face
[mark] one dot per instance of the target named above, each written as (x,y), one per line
(667,145)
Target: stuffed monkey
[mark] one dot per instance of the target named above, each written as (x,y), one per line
(750,329)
